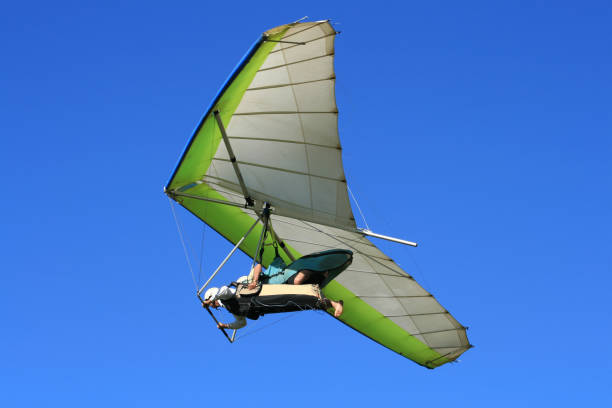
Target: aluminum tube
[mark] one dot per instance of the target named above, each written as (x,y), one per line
(229,255)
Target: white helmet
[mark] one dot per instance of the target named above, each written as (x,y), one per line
(211,293)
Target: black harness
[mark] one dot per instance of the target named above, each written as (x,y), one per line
(241,303)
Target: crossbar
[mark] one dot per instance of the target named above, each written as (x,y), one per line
(362,231)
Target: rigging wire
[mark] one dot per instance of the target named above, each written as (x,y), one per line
(289,315)
(181,235)
(202,246)
(258,329)
(420,274)
(383,217)
(359,208)
(201,254)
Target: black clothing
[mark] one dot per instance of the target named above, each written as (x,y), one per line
(252,307)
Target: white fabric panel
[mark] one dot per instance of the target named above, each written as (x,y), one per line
(442,339)
(421,305)
(365,286)
(304,71)
(386,306)
(404,286)
(316,96)
(432,323)
(315,48)
(268,100)
(325,162)
(359,263)
(286,156)
(273,77)
(387,265)
(320,128)
(286,186)
(310,70)
(325,193)
(281,127)
(310,248)
(328,243)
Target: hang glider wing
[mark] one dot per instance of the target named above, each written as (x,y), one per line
(280,115)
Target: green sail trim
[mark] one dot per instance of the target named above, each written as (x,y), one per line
(197,159)
(357,313)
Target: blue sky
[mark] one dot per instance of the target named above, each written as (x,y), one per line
(480,130)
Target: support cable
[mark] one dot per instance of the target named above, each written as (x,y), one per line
(201,264)
(180,231)
(258,329)
(199,291)
(358,208)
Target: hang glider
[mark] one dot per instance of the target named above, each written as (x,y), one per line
(266,155)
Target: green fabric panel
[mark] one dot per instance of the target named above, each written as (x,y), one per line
(357,313)
(373,324)
(206,142)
